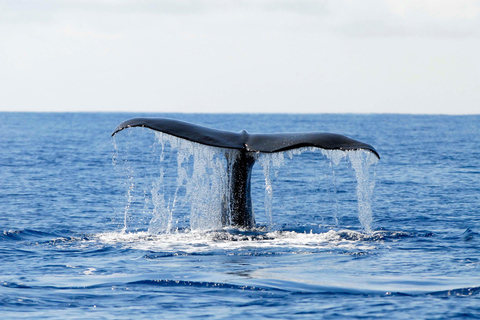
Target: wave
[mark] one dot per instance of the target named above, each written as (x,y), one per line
(119,282)
(25,234)
(187,241)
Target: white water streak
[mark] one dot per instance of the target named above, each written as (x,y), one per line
(361,162)
(269,161)
(163,209)
(130,182)
(335,157)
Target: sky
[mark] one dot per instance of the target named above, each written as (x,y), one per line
(268,56)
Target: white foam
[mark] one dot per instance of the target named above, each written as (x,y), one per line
(89,271)
(204,242)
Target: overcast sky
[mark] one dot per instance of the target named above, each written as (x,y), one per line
(299,56)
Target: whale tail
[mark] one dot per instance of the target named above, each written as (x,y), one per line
(240,206)
(268,142)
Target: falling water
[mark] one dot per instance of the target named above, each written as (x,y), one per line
(128,170)
(335,156)
(361,161)
(163,208)
(269,161)
(203,189)
(205,182)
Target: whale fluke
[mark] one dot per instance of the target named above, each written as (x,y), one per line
(240,212)
(268,142)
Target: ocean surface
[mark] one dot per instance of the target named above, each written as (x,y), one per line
(95,227)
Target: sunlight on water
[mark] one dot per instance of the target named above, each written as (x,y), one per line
(202,182)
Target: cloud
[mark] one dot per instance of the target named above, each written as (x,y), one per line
(70,31)
(250,55)
(405,18)
(366,18)
(160,6)
(439,9)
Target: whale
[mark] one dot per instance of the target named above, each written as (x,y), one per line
(238,213)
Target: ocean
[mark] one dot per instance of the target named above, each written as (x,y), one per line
(95,227)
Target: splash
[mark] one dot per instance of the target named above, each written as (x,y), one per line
(198,242)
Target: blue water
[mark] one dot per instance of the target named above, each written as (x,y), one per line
(76,208)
